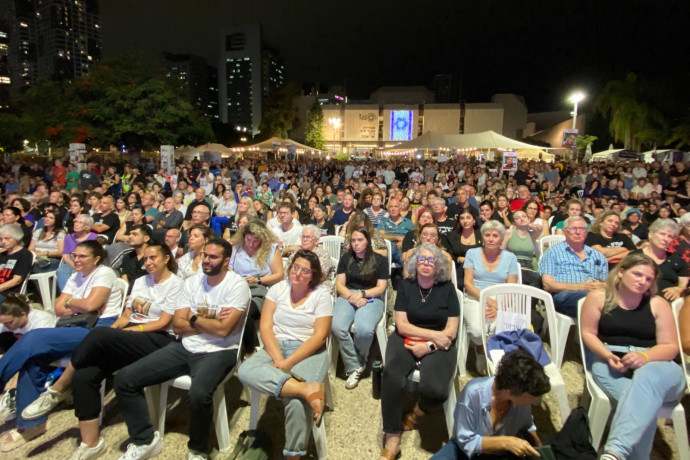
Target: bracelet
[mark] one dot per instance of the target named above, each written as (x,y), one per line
(141,328)
(644,354)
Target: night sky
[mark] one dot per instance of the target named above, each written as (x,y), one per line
(539,49)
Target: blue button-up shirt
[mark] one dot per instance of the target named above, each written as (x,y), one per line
(473,420)
(388,226)
(561,262)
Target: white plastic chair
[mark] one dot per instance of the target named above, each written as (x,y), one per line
(319,432)
(563,323)
(333,245)
(677,306)
(25,282)
(600,407)
(449,404)
(158,402)
(549,240)
(517,299)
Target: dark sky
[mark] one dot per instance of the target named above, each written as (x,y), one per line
(539,49)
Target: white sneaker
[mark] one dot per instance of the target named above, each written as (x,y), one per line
(8,406)
(196,456)
(46,402)
(84,452)
(353,378)
(135,452)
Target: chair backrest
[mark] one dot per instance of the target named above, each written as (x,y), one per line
(337,230)
(517,300)
(549,240)
(677,306)
(123,286)
(333,245)
(589,379)
(454,275)
(25,282)
(389,250)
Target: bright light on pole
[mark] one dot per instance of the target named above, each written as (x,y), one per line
(335,123)
(575,99)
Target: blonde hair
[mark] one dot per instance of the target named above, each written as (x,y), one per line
(613,281)
(258,229)
(250,203)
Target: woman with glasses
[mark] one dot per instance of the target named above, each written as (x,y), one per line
(360,282)
(82,232)
(428,233)
(310,242)
(427,314)
(92,289)
(295,323)
(630,338)
(484,267)
(531,208)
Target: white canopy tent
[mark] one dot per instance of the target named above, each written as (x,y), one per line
(191,152)
(615,155)
(487,140)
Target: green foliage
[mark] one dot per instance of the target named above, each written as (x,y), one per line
(279,114)
(122,101)
(582,142)
(314,136)
(12,129)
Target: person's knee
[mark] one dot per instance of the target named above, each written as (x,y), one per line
(363,330)
(340,328)
(200,396)
(434,392)
(123,382)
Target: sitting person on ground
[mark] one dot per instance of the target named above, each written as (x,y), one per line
(427,313)
(16,319)
(494,415)
(295,323)
(484,267)
(571,269)
(207,351)
(630,342)
(361,281)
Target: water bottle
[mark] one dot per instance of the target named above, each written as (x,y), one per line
(376,375)
(53,376)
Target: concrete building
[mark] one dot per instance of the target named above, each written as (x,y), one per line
(5,78)
(248,72)
(199,79)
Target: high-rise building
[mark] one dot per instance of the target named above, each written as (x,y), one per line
(51,39)
(248,72)
(199,79)
(5,78)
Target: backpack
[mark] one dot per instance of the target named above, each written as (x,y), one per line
(260,448)
(574,441)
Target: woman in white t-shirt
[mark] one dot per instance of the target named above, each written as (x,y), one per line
(16,319)
(295,323)
(143,327)
(91,289)
(190,263)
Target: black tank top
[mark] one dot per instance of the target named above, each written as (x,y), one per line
(629,327)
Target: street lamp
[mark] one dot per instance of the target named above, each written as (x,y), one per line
(335,122)
(575,99)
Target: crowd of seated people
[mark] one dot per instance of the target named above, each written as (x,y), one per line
(233,249)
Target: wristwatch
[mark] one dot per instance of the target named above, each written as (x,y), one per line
(258,280)
(192,320)
(431,345)
(364,293)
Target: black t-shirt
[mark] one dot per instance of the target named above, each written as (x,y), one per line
(446,226)
(132,267)
(454,210)
(441,303)
(409,241)
(456,248)
(353,278)
(619,240)
(18,263)
(674,267)
(327,228)
(112,221)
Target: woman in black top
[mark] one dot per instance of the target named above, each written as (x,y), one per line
(465,237)
(427,313)
(604,237)
(628,330)
(15,260)
(360,282)
(411,237)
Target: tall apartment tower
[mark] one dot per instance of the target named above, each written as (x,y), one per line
(199,79)
(51,39)
(247,74)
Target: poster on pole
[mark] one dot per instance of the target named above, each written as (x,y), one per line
(509,161)
(291,152)
(569,139)
(168,158)
(77,155)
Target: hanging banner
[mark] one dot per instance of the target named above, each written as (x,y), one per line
(168,158)
(509,161)
(77,155)
(569,139)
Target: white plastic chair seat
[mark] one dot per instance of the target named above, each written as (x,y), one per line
(563,323)
(677,306)
(48,293)
(332,245)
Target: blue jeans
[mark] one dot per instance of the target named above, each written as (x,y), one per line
(63,273)
(31,357)
(258,373)
(566,302)
(638,401)
(217,224)
(354,350)
(450,451)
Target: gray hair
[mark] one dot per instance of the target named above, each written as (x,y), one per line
(443,268)
(87,220)
(572,219)
(685,219)
(661,224)
(438,200)
(493,225)
(313,228)
(15,232)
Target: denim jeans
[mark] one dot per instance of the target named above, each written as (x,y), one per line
(31,357)
(354,348)
(258,373)
(566,302)
(638,400)
(450,451)
(217,224)
(63,273)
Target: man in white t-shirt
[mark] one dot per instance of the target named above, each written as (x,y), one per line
(288,232)
(209,317)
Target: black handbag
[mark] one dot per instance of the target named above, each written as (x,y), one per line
(86,320)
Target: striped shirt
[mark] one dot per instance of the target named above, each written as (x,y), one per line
(561,262)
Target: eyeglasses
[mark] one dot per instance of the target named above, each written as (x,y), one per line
(79,256)
(425,259)
(577,229)
(308,237)
(297,269)
(429,235)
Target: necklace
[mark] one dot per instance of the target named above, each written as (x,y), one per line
(424,297)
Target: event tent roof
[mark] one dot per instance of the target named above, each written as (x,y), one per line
(484,140)
(269,143)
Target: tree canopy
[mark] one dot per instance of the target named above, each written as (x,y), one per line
(314,136)
(279,114)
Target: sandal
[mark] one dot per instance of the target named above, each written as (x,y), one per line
(410,421)
(388,455)
(16,439)
(320,396)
